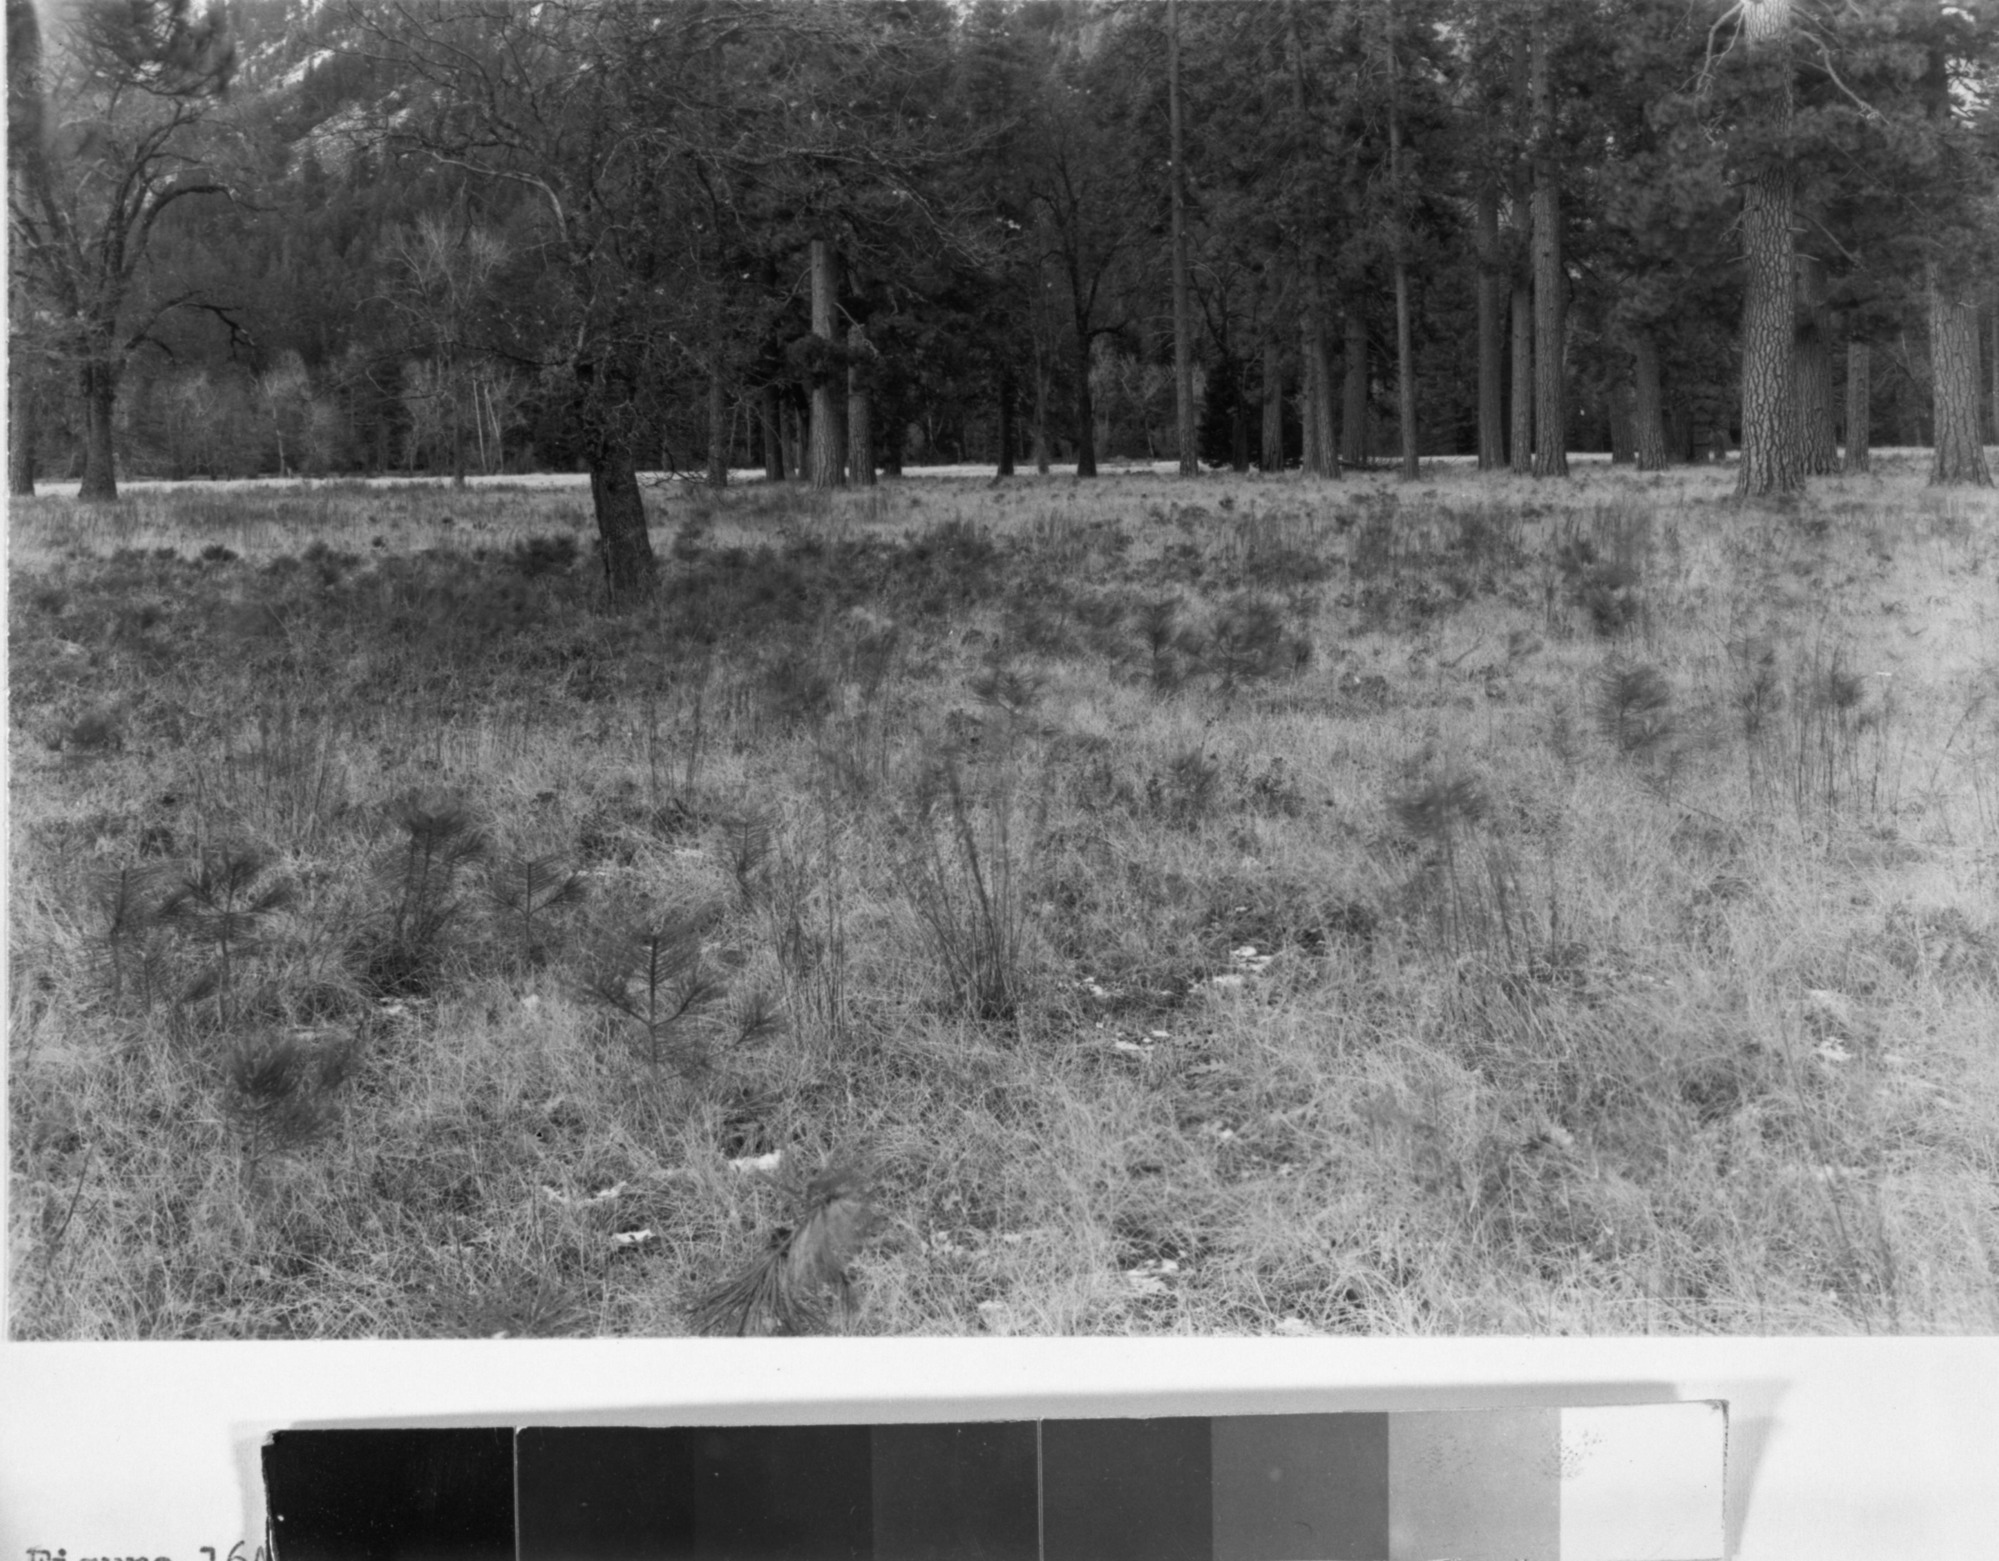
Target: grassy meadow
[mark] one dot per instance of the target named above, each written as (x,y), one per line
(1233,906)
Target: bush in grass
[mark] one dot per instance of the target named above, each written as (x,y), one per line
(966,838)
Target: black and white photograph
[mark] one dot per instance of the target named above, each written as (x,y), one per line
(1307,669)
(1033,778)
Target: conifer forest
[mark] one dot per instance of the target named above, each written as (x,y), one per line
(1002,667)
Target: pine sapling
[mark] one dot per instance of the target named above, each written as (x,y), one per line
(651,971)
(439,842)
(280,1093)
(526,891)
(227,902)
(128,904)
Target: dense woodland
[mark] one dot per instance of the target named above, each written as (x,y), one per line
(277,237)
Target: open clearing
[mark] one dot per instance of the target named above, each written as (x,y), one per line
(1235,906)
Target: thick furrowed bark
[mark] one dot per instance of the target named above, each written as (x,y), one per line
(1551,390)
(1771,461)
(829,433)
(1491,337)
(1959,451)
(1320,457)
(1520,450)
(1353,416)
(1859,403)
(1818,448)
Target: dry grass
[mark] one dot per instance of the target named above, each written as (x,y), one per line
(1466,907)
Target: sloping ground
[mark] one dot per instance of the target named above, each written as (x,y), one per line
(1243,906)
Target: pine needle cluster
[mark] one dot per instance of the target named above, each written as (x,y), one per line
(785,1289)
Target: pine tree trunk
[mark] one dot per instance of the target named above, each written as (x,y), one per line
(1405,374)
(1551,393)
(1310,457)
(1959,451)
(1006,435)
(1273,407)
(1186,435)
(860,414)
(100,390)
(21,419)
(1405,351)
(829,434)
(1617,416)
(794,438)
(1317,457)
(770,418)
(718,428)
(629,566)
(1859,403)
(1491,336)
(1648,431)
(1520,450)
(1315,386)
(1995,362)
(1353,414)
(1771,462)
(1818,449)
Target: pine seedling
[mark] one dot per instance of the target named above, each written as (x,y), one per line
(785,1288)
(1634,707)
(127,903)
(754,1016)
(526,890)
(749,839)
(650,972)
(226,902)
(1157,623)
(439,843)
(1007,690)
(280,1093)
(1436,812)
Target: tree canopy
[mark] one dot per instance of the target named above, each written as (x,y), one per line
(697,234)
